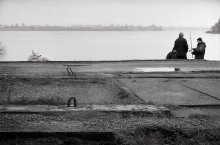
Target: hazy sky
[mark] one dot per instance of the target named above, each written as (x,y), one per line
(201,13)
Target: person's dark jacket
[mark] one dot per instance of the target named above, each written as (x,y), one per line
(181,47)
(199,52)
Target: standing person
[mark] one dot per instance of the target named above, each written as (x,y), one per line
(181,47)
(199,51)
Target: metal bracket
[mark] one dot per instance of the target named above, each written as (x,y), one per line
(70,72)
(69,101)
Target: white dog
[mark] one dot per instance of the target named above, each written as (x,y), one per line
(37,57)
(2,48)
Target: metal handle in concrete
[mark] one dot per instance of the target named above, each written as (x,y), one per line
(70,72)
(69,101)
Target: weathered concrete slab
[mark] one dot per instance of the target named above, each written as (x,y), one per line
(197,112)
(153,90)
(106,108)
(123,84)
(166,91)
(59,68)
(214,75)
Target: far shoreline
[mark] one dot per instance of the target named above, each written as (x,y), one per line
(211,32)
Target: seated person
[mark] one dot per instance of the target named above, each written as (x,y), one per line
(171,55)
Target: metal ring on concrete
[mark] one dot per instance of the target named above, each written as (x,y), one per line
(69,102)
(70,72)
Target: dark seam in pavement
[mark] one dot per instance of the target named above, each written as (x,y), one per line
(136,95)
(124,85)
(196,90)
(191,88)
(171,77)
(203,105)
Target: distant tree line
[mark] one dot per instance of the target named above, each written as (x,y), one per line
(215,28)
(23,27)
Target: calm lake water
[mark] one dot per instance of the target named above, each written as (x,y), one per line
(104,45)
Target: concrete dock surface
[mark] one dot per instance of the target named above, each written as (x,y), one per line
(194,83)
(188,89)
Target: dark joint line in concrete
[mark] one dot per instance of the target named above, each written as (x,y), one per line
(201,106)
(196,90)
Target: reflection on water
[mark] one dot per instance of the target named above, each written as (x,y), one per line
(159,69)
(93,45)
(170,69)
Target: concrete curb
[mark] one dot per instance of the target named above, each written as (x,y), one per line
(151,109)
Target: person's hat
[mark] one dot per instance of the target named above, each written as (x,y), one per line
(200,39)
